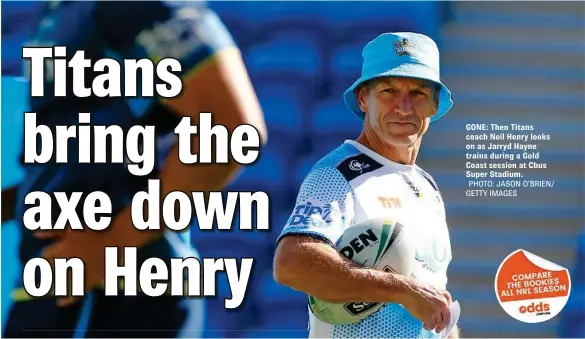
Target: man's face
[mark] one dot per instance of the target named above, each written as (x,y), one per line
(398,110)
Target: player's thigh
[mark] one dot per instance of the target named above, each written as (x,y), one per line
(41,318)
(145,317)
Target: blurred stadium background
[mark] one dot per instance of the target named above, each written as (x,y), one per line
(508,62)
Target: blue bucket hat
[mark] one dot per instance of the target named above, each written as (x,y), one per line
(401,54)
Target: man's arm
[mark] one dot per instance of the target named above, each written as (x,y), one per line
(214,80)
(314,267)
(305,259)
(221,86)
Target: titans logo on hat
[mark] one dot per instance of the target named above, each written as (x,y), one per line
(404,47)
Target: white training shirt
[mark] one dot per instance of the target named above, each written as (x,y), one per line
(353,184)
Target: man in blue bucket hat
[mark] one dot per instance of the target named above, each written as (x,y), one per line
(401,55)
(371,178)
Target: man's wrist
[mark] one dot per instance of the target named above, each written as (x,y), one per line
(126,235)
(401,288)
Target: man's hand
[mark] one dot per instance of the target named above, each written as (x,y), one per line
(89,246)
(428,304)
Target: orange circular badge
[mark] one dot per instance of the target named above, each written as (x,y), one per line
(531,289)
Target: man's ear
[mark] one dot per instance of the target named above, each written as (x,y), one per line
(361,95)
(435,111)
(436,101)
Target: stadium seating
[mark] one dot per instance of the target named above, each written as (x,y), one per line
(281,57)
(283,104)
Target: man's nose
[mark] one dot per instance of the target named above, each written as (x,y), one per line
(404,105)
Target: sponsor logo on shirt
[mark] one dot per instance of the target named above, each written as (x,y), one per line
(390,202)
(357,308)
(175,38)
(413,187)
(357,166)
(433,252)
(309,213)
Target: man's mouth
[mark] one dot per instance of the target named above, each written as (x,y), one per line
(403,123)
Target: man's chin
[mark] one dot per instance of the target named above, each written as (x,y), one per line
(404,140)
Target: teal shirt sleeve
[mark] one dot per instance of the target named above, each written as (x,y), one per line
(188,31)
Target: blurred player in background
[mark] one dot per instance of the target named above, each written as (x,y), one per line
(397,96)
(214,80)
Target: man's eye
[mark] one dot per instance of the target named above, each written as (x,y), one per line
(388,90)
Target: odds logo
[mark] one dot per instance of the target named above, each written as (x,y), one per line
(531,289)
